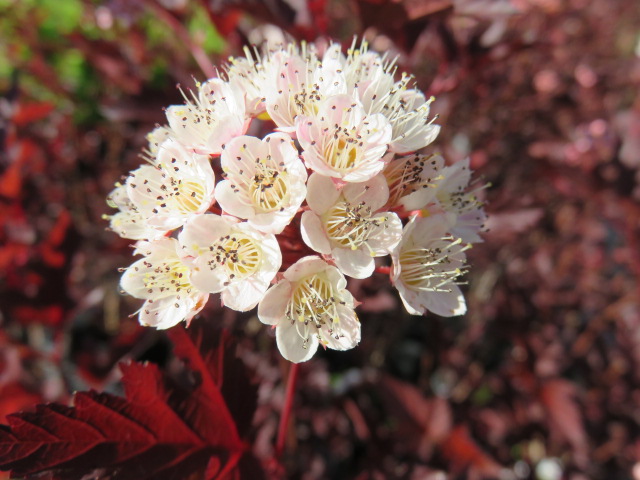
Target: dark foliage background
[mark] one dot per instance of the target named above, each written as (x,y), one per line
(539,380)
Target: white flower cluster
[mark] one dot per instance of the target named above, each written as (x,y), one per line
(337,181)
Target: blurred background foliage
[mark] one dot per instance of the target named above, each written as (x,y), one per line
(540,379)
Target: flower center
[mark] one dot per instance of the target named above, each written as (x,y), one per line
(167,278)
(411,175)
(341,153)
(189,196)
(238,253)
(351,225)
(431,269)
(268,190)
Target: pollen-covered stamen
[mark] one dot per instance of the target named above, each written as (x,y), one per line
(313,304)
(351,225)
(432,269)
(166,278)
(239,254)
(410,174)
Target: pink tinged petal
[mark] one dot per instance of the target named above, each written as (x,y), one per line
(208,276)
(374,192)
(313,233)
(273,306)
(354,263)
(321,193)
(164,313)
(202,231)
(446,304)
(348,331)
(304,267)
(245,294)
(232,202)
(292,346)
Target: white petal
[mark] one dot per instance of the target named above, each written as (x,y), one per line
(321,193)
(231,202)
(164,313)
(446,304)
(349,331)
(201,232)
(354,263)
(245,294)
(387,236)
(207,279)
(304,267)
(272,307)
(313,233)
(291,345)
(374,192)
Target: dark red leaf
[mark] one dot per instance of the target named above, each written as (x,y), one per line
(156,431)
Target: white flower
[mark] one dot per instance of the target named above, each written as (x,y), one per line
(296,82)
(265,181)
(309,307)
(210,118)
(162,279)
(342,142)
(465,211)
(231,258)
(128,222)
(413,180)
(426,264)
(369,77)
(176,187)
(248,76)
(346,223)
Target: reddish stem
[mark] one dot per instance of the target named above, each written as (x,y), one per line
(286,409)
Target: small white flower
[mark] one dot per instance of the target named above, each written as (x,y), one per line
(347,225)
(296,82)
(310,306)
(265,181)
(177,186)
(162,279)
(426,265)
(210,118)
(230,257)
(342,142)
(465,211)
(369,77)
(413,180)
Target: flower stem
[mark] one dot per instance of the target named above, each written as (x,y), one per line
(286,409)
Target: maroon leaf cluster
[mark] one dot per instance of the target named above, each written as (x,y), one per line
(162,428)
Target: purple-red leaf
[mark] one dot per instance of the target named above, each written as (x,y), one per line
(159,430)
